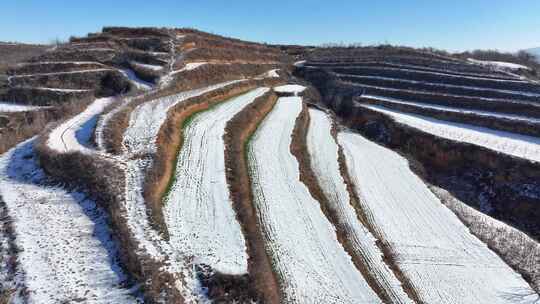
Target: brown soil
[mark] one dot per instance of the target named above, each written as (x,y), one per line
(264,282)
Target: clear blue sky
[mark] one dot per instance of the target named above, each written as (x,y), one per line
(453,24)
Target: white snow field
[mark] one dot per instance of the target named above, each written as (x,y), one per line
(323,152)
(290,88)
(523,146)
(136,81)
(443,261)
(453,109)
(8,107)
(146,120)
(67,253)
(198,209)
(74,134)
(153,67)
(310,263)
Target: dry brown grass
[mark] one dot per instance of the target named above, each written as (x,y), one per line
(238,131)
(21,126)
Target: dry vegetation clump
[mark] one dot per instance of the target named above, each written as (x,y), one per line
(42,97)
(17,127)
(517,249)
(263,283)
(106,81)
(11,54)
(98,55)
(8,255)
(39,68)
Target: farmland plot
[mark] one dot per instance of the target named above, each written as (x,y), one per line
(523,146)
(443,261)
(67,253)
(198,209)
(323,151)
(309,261)
(146,120)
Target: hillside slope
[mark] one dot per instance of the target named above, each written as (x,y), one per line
(158,165)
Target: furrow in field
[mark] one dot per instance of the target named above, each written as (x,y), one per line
(517,145)
(438,86)
(198,210)
(146,120)
(441,259)
(66,251)
(442,74)
(324,154)
(309,261)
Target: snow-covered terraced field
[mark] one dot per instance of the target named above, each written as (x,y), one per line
(449,96)
(494,80)
(518,145)
(435,85)
(67,253)
(453,109)
(443,261)
(146,119)
(323,151)
(309,261)
(74,134)
(500,64)
(198,209)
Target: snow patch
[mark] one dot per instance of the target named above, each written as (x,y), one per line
(74,135)
(6,107)
(499,64)
(523,146)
